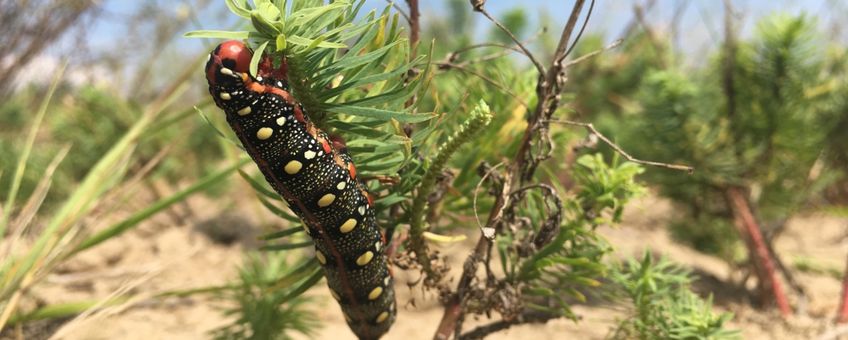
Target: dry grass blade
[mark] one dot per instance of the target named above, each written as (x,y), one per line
(17,273)
(21,223)
(153,208)
(22,162)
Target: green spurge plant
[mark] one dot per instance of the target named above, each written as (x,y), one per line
(266,307)
(663,307)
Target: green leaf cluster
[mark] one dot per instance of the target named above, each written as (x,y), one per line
(268,301)
(663,307)
(558,274)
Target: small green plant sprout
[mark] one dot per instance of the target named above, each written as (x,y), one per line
(268,301)
(662,306)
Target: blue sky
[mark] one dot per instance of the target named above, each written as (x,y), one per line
(700,21)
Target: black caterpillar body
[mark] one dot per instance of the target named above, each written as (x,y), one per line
(317,178)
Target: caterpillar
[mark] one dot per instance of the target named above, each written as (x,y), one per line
(316,176)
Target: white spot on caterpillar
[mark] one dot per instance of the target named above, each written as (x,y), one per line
(326,200)
(320,256)
(264,133)
(320,153)
(309,154)
(259,78)
(293,167)
(245,111)
(225,96)
(361,210)
(364,258)
(378,245)
(382,317)
(386,281)
(375,293)
(281,121)
(226,71)
(341,185)
(348,226)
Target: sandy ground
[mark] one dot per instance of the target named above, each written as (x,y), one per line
(164,255)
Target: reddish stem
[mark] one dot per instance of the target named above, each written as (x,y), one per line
(749,229)
(842,315)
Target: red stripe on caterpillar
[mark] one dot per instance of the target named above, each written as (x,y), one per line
(315,175)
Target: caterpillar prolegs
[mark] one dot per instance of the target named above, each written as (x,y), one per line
(316,176)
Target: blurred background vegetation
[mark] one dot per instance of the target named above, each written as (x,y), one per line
(99,134)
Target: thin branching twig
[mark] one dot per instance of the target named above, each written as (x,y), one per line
(591,128)
(593,53)
(488,233)
(400,10)
(529,55)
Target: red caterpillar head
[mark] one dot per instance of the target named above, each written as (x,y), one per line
(230,56)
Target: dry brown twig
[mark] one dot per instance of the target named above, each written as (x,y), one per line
(549,87)
(449,62)
(591,128)
(487,232)
(401,11)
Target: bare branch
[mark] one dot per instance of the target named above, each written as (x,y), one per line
(582,29)
(548,97)
(653,37)
(471,47)
(452,318)
(619,150)
(548,90)
(527,52)
(593,53)
(400,10)
(487,232)
(453,56)
(561,50)
(528,317)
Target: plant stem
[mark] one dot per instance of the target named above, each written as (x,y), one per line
(749,230)
(414,24)
(842,313)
